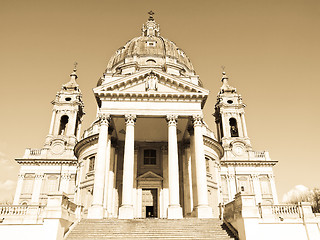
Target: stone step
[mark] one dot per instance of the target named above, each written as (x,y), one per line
(149,229)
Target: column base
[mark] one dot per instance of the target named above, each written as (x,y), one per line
(202,212)
(95,212)
(126,212)
(175,212)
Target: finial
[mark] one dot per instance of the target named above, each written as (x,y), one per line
(75,66)
(151,13)
(74,73)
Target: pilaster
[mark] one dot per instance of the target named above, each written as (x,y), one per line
(18,189)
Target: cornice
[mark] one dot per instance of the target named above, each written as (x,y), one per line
(37,162)
(84,142)
(214,145)
(247,163)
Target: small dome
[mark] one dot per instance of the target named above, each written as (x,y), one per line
(150,50)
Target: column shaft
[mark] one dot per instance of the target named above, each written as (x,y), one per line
(126,209)
(174,210)
(202,209)
(36,189)
(96,209)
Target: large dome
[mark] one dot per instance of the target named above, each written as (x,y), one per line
(150,50)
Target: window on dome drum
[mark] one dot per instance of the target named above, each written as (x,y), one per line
(151,61)
(150,157)
(151,43)
(63,124)
(91,163)
(233,127)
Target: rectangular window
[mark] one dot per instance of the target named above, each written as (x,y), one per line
(91,163)
(150,157)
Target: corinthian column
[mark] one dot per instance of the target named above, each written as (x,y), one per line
(174,209)
(201,207)
(126,209)
(96,209)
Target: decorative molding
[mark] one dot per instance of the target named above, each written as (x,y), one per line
(104,118)
(247,163)
(91,140)
(151,82)
(172,120)
(38,162)
(213,144)
(39,176)
(130,119)
(197,120)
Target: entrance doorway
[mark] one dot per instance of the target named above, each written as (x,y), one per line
(149,203)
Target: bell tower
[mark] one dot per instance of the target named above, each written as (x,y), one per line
(66,118)
(229,115)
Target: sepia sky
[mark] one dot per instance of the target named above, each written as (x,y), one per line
(271,50)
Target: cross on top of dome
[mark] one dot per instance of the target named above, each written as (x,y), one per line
(150,28)
(151,13)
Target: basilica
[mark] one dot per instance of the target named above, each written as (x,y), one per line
(148,153)
(149,158)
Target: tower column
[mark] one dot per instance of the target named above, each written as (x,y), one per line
(96,209)
(54,112)
(37,188)
(201,208)
(126,209)
(244,126)
(174,209)
(18,189)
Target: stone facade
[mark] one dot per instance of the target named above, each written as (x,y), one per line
(148,153)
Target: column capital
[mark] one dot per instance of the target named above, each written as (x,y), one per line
(254,176)
(21,175)
(66,176)
(39,176)
(172,119)
(197,119)
(136,149)
(164,149)
(104,119)
(130,119)
(270,176)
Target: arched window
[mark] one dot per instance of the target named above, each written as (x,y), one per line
(63,124)
(233,127)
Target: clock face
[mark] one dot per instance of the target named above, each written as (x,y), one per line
(238,149)
(57,148)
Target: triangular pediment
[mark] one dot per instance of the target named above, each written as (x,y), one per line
(150,176)
(151,81)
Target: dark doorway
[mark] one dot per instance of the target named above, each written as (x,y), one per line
(149,203)
(150,212)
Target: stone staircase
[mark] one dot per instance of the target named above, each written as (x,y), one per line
(189,228)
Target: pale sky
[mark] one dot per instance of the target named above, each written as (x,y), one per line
(271,50)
